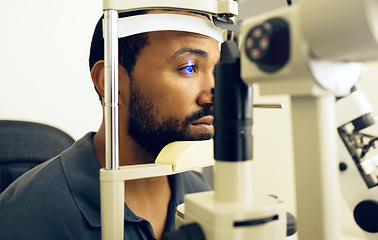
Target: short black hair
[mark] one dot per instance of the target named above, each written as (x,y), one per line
(128,47)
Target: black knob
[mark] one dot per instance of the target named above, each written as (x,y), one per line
(366,215)
(343,166)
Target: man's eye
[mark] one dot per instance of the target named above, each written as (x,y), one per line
(189,69)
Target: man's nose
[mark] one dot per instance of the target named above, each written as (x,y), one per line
(206,94)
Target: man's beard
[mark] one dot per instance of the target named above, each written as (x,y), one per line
(152,135)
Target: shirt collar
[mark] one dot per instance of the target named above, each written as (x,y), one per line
(81,168)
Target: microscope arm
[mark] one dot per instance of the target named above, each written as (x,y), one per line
(358,160)
(323,51)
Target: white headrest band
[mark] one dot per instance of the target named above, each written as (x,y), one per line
(128,26)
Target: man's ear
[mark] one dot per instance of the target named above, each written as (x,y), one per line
(98,77)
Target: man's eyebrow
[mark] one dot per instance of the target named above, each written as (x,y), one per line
(192,51)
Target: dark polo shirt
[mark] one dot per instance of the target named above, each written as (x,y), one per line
(60,199)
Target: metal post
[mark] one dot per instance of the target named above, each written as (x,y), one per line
(113,189)
(316,167)
(110,26)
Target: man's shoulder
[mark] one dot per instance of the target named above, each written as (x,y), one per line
(34,180)
(28,200)
(45,181)
(37,192)
(42,202)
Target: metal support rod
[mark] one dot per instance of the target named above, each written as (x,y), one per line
(112,191)
(110,26)
(316,169)
(269,105)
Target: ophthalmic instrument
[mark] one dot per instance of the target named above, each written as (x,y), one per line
(307,51)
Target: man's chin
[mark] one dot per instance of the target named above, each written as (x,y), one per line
(201,131)
(205,136)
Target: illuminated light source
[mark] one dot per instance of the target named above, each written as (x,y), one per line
(189,68)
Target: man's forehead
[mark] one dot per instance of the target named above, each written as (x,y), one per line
(193,51)
(188,51)
(174,45)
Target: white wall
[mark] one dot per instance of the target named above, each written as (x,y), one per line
(44,74)
(44,77)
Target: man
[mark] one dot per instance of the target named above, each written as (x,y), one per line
(165,82)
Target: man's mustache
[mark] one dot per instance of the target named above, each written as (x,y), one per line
(206,111)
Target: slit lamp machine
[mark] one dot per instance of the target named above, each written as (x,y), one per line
(312,51)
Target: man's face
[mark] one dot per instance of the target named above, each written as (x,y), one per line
(170,90)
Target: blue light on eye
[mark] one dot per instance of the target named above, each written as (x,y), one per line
(189,68)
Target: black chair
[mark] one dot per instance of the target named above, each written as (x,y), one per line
(24,145)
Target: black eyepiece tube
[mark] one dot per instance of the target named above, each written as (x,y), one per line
(232,108)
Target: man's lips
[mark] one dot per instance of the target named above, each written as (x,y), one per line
(203,125)
(207,120)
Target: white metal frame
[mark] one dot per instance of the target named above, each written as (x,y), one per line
(319,48)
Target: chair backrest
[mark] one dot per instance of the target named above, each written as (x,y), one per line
(24,145)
